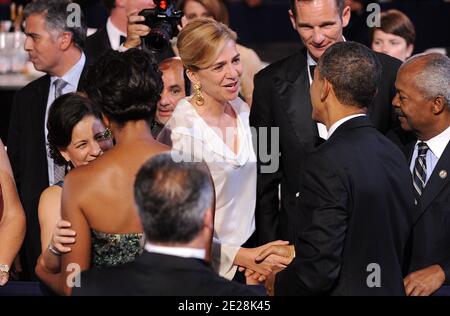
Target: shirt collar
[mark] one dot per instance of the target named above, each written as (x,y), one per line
(176,251)
(438,143)
(72,77)
(114,34)
(334,127)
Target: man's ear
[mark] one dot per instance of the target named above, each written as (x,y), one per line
(293,19)
(346,13)
(325,89)
(66,40)
(439,104)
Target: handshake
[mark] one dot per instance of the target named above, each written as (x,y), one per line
(261,264)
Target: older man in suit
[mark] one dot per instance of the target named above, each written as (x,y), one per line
(54,47)
(175,203)
(281,100)
(355,205)
(423,101)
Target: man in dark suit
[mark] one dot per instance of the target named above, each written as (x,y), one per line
(114,34)
(174,201)
(423,101)
(355,212)
(56,49)
(281,100)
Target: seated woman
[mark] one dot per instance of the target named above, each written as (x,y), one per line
(213,126)
(97,198)
(12,218)
(76,136)
(395,36)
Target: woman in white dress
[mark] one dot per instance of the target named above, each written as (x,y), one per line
(213,126)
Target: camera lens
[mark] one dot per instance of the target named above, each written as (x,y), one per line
(159,37)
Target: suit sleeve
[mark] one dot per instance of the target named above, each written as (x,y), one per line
(14,138)
(321,228)
(445,265)
(267,198)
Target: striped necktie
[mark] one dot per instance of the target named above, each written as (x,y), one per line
(420,169)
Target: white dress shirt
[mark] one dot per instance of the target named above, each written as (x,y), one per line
(72,77)
(321,127)
(336,124)
(176,251)
(234,176)
(436,147)
(114,34)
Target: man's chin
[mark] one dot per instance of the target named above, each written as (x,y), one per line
(404,124)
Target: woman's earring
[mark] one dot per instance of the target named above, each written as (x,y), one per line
(198,94)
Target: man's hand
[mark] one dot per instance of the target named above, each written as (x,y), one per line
(287,252)
(135,30)
(424,282)
(245,258)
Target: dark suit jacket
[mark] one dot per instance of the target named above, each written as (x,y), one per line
(355,208)
(430,239)
(281,99)
(158,274)
(98,43)
(28,156)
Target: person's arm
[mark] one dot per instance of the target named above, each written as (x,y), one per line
(268,179)
(322,225)
(79,258)
(12,221)
(56,236)
(425,282)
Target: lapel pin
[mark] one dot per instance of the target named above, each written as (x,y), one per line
(297,194)
(443,174)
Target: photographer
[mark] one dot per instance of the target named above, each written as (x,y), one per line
(137,30)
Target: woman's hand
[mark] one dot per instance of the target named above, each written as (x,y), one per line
(62,236)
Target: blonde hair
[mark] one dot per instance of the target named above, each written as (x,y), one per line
(201,41)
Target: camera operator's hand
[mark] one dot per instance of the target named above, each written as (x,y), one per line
(135,30)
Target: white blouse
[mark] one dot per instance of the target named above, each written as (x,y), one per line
(234,175)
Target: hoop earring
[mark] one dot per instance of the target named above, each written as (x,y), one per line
(198,94)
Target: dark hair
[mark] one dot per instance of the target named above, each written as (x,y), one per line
(397,23)
(172,198)
(109,4)
(339,4)
(56,18)
(353,70)
(126,86)
(64,113)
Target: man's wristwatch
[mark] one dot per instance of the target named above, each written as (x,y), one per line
(4,268)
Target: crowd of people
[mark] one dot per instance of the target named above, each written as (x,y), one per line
(193,170)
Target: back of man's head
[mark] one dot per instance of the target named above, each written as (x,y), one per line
(172,199)
(61,16)
(430,74)
(354,72)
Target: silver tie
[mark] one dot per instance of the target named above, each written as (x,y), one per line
(59,171)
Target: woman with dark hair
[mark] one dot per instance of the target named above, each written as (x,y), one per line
(76,136)
(98,198)
(395,36)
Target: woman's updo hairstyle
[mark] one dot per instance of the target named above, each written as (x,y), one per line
(126,86)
